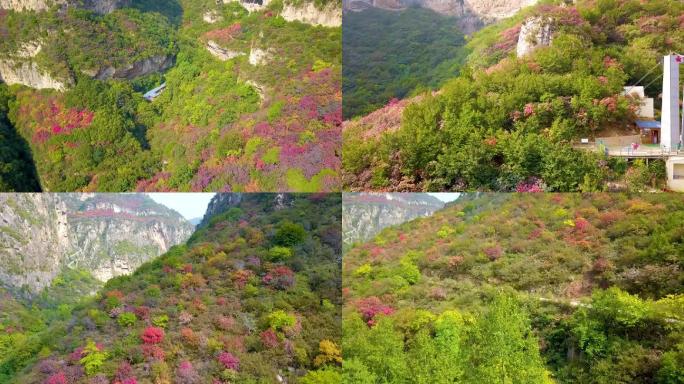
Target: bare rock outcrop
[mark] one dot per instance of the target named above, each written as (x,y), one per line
(534,33)
(222,53)
(108,235)
(330,16)
(29,74)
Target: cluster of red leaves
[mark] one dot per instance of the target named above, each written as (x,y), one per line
(609,102)
(370,307)
(600,265)
(152,335)
(654,24)
(581,224)
(124,374)
(57,378)
(229,361)
(610,62)
(142,312)
(528,110)
(561,15)
(455,261)
(610,217)
(61,121)
(534,185)
(225,34)
(535,234)
(269,339)
(189,336)
(494,253)
(115,293)
(225,323)
(152,352)
(508,39)
(280,277)
(241,277)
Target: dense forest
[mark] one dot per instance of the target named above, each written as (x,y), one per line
(17,171)
(521,288)
(265,116)
(253,297)
(509,123)
(392,54)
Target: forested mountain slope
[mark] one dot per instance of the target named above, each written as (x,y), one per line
(251,102)
(526,288)
(510,119)
(254,296)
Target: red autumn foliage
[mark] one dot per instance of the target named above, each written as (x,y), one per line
(229,361)
(115,293)
(225,34)
(57,378)
(189,336)
(61,122)
(142,312)
(280,277)
(123,371)
(455,261)
(581,224)
(152,352)
(225,323)
(241,277)
(600,265)
(610,217)
(494,253)
(269,338)
(152,335)
(187,268)
(370,307)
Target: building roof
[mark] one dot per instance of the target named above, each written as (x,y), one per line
(648,124)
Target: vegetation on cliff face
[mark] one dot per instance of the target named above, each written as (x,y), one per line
(528,288)
(17,171)
(509,123)
(267,119)
(253,295)
(390,54)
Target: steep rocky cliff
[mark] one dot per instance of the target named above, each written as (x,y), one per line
(329,16)
(29,74)
(365,214)
(108,235)
(486,10)
(534,32)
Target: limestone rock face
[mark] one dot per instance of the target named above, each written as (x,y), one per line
(220,203)
(364,215)
(486,10)
(107,234)
(222,53)
(258,56)
(29,74)
(250,5)
(330,16)
(137,69)
(534,33)
(497,9)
